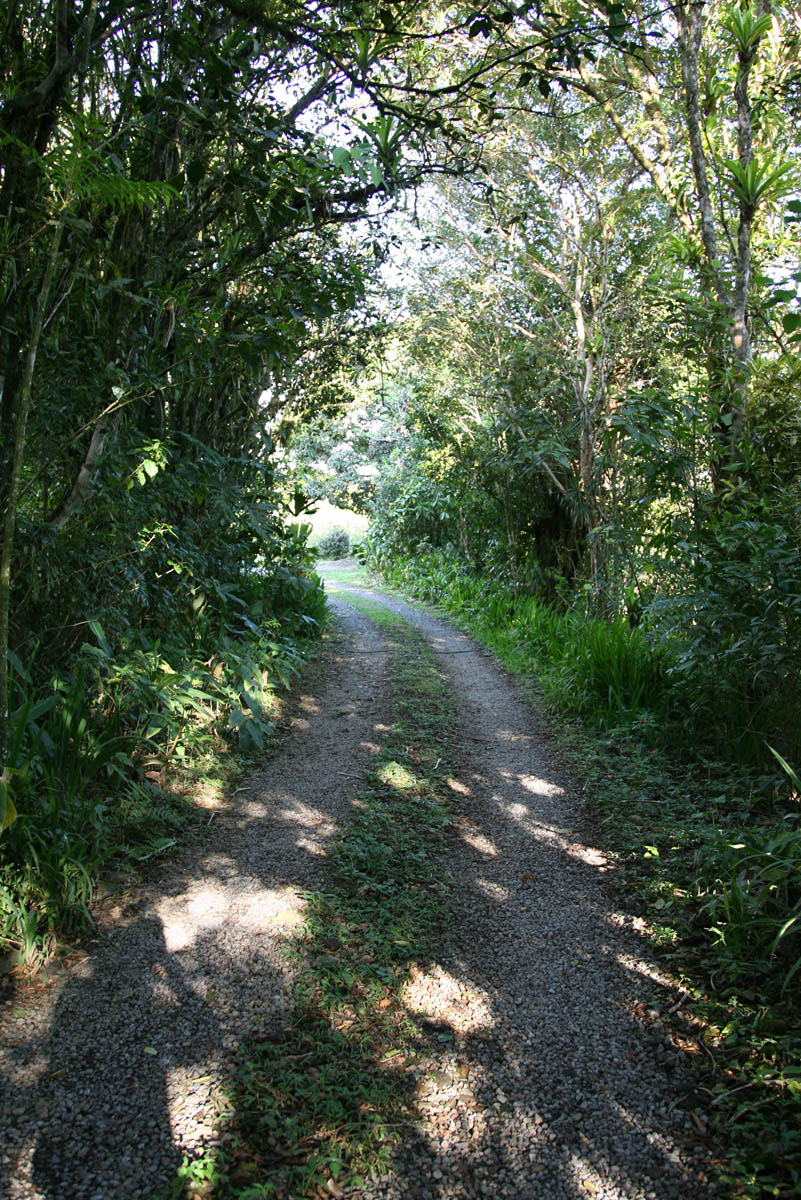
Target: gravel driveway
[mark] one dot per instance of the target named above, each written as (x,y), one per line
(553,1081)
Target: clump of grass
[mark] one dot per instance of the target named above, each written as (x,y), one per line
(751,898)
(611,672)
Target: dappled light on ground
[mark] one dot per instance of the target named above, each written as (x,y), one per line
(437,995)
(185,920)
(493,891)
(120,1074)
(567,1092)
(522,1070)
(470,833)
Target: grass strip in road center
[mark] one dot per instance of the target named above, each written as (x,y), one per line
(319,1107)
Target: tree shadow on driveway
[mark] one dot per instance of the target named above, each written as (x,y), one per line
(546,1082)
(120,1068)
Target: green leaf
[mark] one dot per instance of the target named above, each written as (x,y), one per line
(99,632)
(8,813)
(746,28)
(786,767)
(757,181)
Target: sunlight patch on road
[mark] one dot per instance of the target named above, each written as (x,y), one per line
(188,1088)
(539,787)
(493,891)
(304,843)
(470,833)
(509,735)
(461,789)
(436,995)
(306,816)
(208,906)
(254,810)
(553,835)
(184,919)
(588,1180)
(648,970)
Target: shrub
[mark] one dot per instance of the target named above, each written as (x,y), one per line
(612,672)
(751,889)
(738,631)
(334,544)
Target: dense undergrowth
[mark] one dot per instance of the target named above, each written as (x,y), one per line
(708,847)
(320,1106)
(140,681)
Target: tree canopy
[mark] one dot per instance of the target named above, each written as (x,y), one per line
(599,367)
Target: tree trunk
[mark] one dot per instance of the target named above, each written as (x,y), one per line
(79,493)
(10,515)
(732,386)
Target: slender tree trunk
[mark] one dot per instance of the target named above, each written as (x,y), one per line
(732,386)
(691,29)
(82,487)
(740,333)
(589,393)
(10,515)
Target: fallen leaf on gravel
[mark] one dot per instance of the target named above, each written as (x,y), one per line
(150,1050)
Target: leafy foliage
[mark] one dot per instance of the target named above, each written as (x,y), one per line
(174,207)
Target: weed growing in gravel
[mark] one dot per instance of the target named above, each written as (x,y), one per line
(322,1104)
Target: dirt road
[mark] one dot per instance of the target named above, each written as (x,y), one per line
(550,1080)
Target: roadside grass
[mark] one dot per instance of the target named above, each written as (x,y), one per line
(320,1106)
(712,880)
(357,576)
(707,851)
